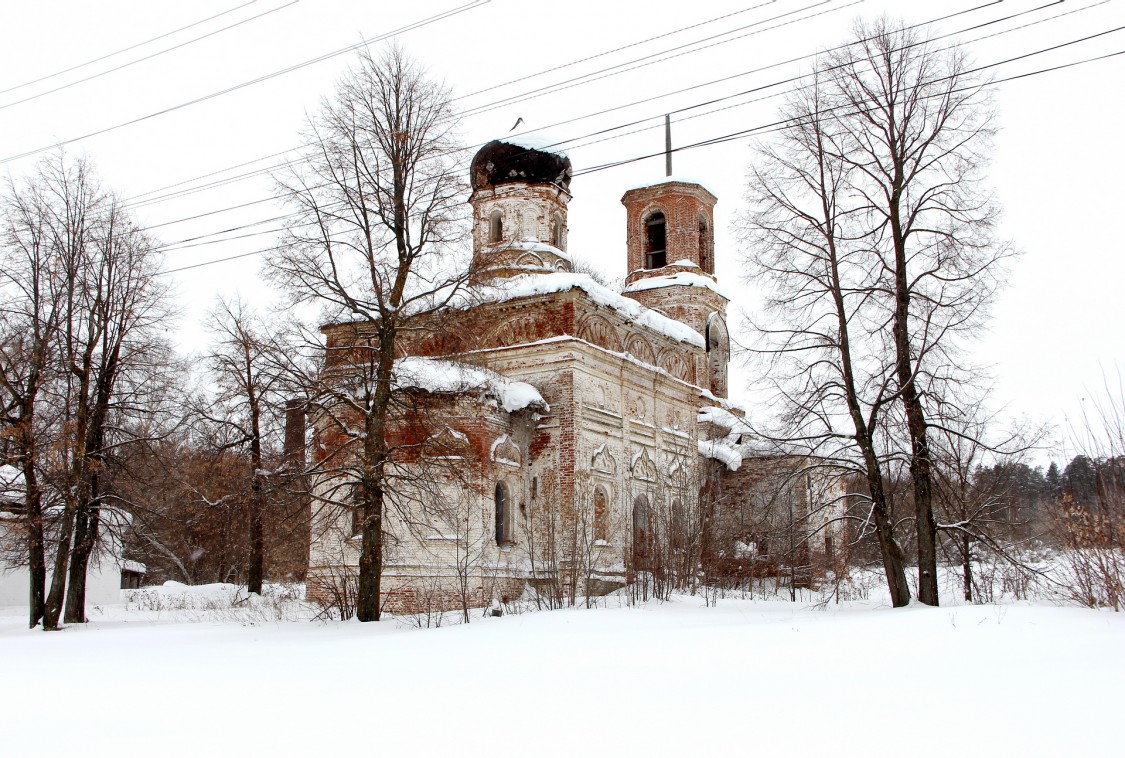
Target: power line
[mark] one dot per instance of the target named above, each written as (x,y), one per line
(784,123)
(125,49)
(510,100)
(258,172)
(797,89)
(615,50)
(148,57)
(686,108)
(289,69)
(220,260)
(520,98)
(612,70)
(761,129)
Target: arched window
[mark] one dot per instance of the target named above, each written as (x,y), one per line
(557,231)
(718,354)
(656,255)
(705,261)
(503,515)
(495,227)
(642,534)
(679,526)
(601,515)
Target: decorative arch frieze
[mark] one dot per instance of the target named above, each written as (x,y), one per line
(674,363)
(515,331)
(598,331)
(530,260)
(639,348)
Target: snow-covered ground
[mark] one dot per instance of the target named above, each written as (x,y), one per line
(178,672)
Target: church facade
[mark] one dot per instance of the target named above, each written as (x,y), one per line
(586,439)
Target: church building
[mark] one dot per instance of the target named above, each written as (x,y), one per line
(585,440)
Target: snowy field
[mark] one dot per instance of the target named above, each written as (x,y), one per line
(680,678)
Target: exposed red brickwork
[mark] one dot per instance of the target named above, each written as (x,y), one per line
(683,205)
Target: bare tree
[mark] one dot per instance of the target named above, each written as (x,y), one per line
(824,350)
(915,127)
(242,364)
(1091,530)
(32,308)
(379,203)
(880,182)
(75,244)
(978,492)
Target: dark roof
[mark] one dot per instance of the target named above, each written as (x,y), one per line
(501,162)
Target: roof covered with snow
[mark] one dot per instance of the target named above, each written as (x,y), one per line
(542,284)
(450,377)
(737,442)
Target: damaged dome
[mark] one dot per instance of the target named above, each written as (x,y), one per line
(502,162)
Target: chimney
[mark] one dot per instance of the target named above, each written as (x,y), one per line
(295,434)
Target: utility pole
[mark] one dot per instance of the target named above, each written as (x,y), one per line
(667,144)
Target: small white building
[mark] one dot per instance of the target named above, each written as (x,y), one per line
(104,577)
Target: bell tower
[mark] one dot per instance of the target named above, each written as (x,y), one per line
(670,222)
(671,259)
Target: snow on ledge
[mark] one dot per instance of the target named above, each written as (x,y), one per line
(724,419)
(542,284)
(723,402)
(532,245)
(722,451)
(438,376)
(679,279)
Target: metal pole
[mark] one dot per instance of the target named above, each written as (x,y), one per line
(667,144)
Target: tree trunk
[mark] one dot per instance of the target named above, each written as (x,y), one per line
(54,604)
(894,564)
(368,601)
(85,539)
(967,570)
(92,464)
(920,474)
(256,569)
(37,562)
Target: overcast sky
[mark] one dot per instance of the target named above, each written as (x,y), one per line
(1057,166)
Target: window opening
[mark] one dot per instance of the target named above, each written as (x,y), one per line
(495,227)
(656,255)
(601,515)
(679,526)
(705,247)
(641,534)
(556,231)
(502,535)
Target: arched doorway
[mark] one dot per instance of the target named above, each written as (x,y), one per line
(642,534)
